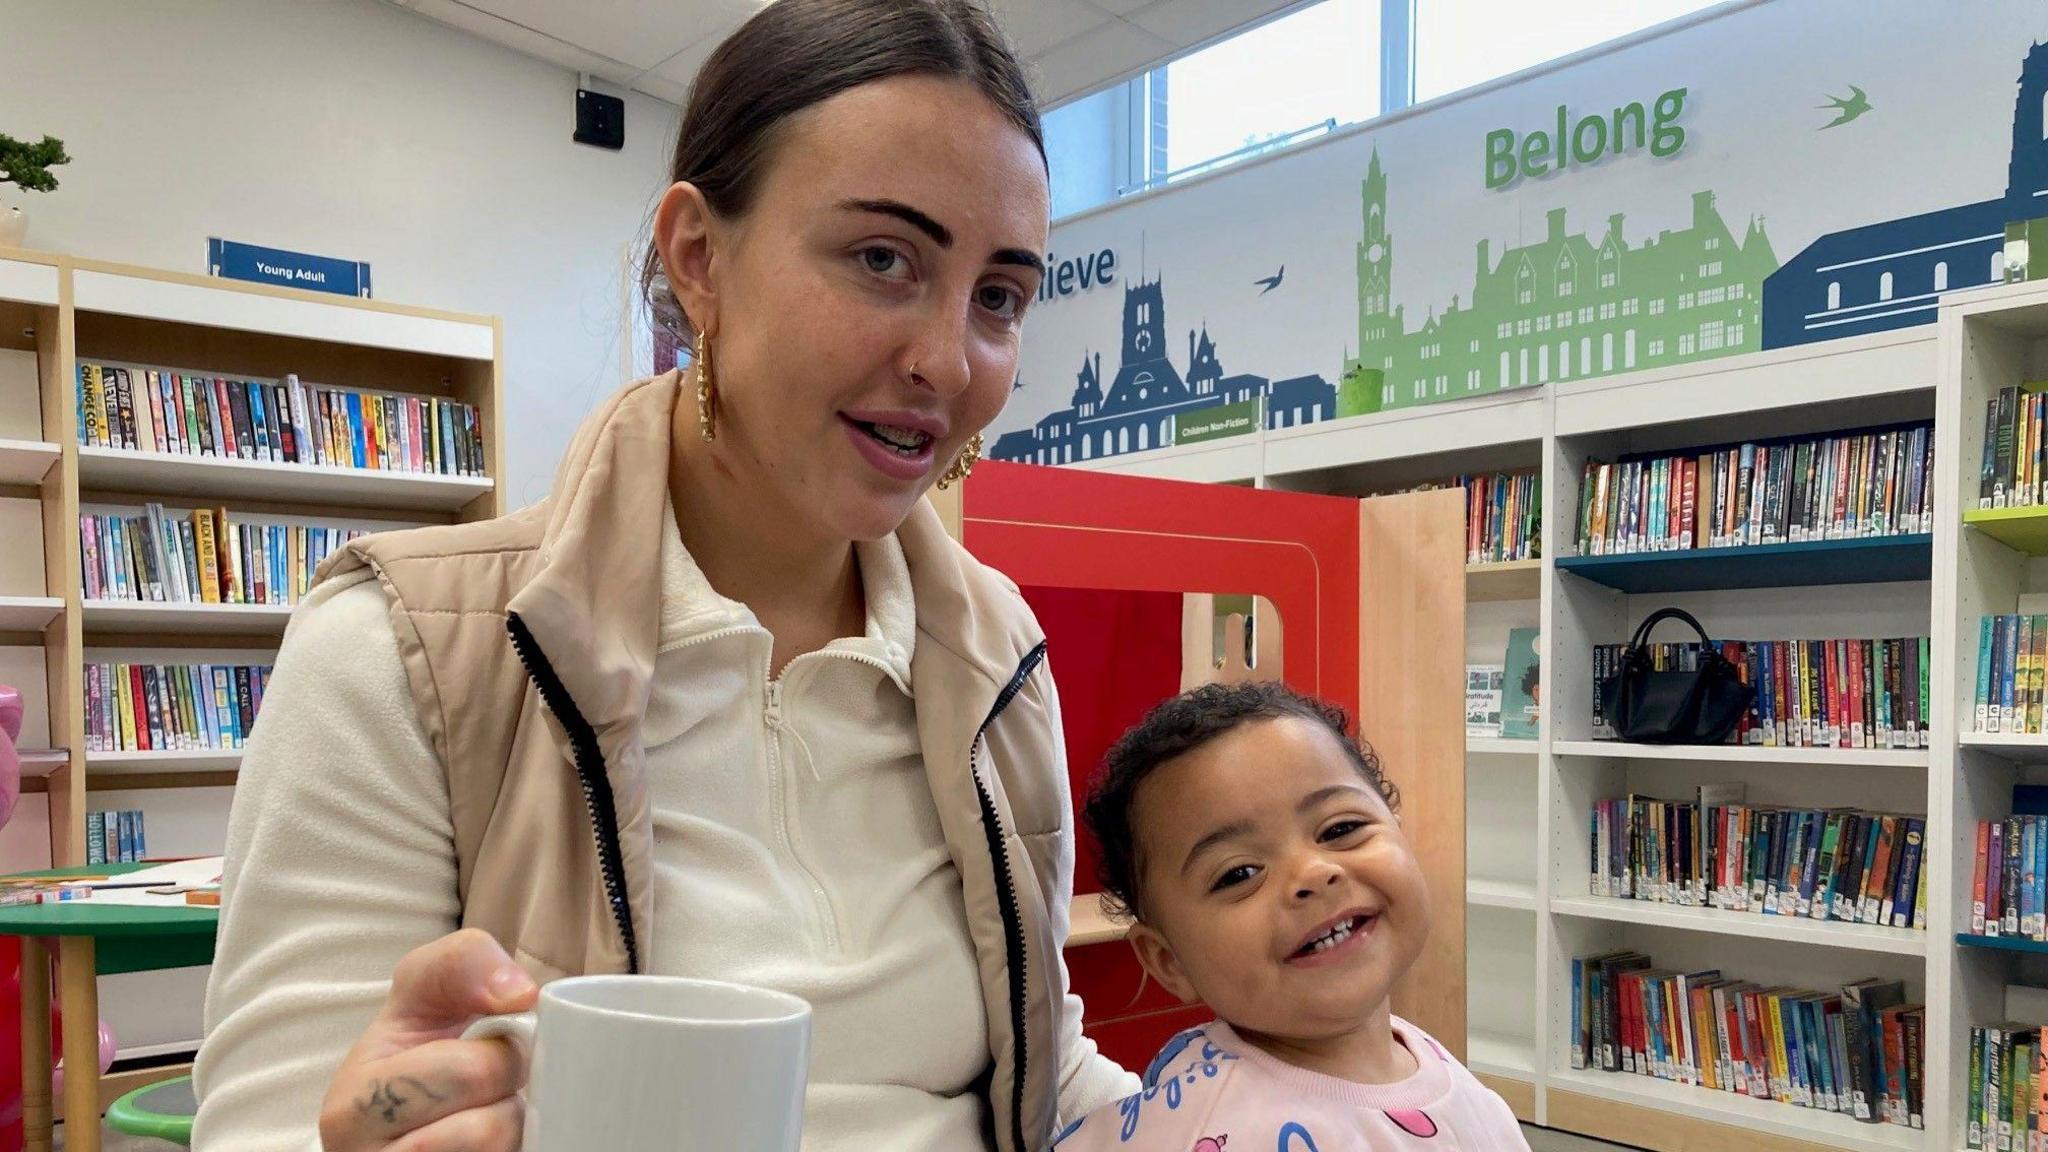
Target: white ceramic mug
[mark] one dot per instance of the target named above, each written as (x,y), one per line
(661,1064)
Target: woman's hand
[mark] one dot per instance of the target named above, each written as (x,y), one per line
(410,1084)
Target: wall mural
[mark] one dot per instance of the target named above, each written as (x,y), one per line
(1578,296)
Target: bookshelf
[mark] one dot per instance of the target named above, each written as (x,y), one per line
(57,312)
(1528,905)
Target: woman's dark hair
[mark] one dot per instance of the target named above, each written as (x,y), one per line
(793,54)
(1177,727)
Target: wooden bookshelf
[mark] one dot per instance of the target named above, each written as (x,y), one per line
(84,310)
(1506,580)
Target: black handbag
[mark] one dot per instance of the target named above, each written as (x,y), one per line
(1700,706)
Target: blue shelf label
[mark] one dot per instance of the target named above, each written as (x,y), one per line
(234,260)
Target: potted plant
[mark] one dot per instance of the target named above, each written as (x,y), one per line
(26,166)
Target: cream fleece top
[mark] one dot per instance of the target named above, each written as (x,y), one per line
(796,846)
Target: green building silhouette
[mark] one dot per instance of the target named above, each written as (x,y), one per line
(1564,308)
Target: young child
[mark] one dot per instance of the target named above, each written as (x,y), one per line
(1256,847)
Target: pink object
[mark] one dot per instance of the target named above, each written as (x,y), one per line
(10,760)
(1215,1082)
(107,1048)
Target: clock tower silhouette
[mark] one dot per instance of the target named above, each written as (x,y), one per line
(1147,378)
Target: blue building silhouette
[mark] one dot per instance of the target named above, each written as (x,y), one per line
(1138,410)
(1891,274)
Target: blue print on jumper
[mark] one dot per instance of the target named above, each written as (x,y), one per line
(1132,1107)
(1292,1130)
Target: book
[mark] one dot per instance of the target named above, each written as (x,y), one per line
(1522,687)
(1483,685)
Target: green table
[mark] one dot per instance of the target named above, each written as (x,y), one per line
(93,940)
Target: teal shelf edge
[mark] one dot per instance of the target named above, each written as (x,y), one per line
(2001,943)
(1868,560)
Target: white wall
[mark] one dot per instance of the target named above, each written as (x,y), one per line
(355,129)
(349,128)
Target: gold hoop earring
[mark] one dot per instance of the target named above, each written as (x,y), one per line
(963,464)
(707,389)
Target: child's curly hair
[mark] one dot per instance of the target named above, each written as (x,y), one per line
(1173,729)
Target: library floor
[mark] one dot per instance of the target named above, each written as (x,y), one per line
(1540,1140)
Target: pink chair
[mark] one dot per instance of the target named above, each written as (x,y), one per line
(10,760)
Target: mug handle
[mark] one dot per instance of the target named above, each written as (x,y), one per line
(521,1028)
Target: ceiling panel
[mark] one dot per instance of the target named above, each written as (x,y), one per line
(1189,22)
(636,32)
(1035,25)
(656,46)
(1114,50)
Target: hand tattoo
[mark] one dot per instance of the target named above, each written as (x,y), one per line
(386,1100)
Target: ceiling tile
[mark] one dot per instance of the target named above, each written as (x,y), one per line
(1190,22)
(1109,53)
(641,33)
(661,88)
(682,67)
(1036,25)
(520,38)
(1121,7)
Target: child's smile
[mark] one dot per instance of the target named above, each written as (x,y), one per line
(1275,884)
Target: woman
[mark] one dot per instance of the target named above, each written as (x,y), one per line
(730,703)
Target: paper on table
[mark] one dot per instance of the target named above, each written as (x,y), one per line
(201,870)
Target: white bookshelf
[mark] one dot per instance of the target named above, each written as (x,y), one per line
(1822,1129)
(164,618)
(176,760)
(1500,894)
(1496,746)
(63,311)
(1746,754)
(27,461)
(29,613)
(1750,925)
(166,474)
(1528,907)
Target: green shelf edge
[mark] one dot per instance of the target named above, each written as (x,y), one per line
(2022,529)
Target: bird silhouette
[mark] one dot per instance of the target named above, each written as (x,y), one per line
(1273,281)
(1851,106)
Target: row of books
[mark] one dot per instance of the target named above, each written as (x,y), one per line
(171,707)
(203,557)
(2012,668)
(1857,1052)
(1503,517)
(2008,1103)
(1717,852)
(2009,880)
(1847,693)
(115,837)
(1821,488)
(284,421)
(2014,473)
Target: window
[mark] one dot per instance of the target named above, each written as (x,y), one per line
(1736,290)
(1997,265)
(1607,279)
(1586,315)
(1941,276)
(1460,43)
(1687,343)
(1657,306)
(1607,310)
(1521,328)
(1474,348)
(1884,286)
(1656,348)
(1712,334)
(1834,295)
(1543,323)
(1713,242)
(1313,69)
(1684,301)
(1735,335)
(1564,319)
(1525,285)
(1386,394)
